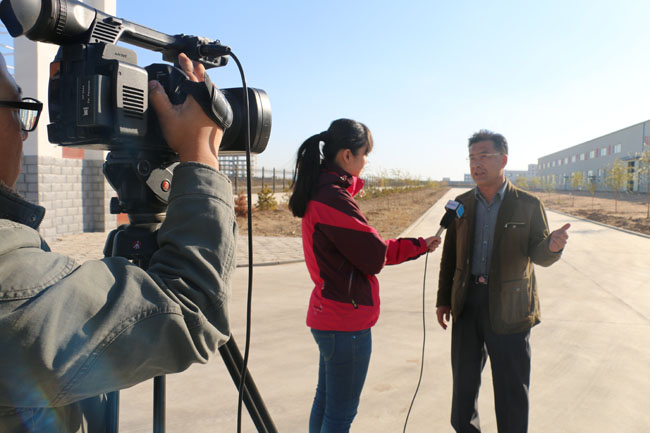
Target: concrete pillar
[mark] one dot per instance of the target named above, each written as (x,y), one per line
(68,182)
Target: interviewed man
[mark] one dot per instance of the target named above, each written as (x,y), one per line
(487,283)
(71,332)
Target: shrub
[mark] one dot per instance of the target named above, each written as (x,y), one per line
(241,205)
(266,200)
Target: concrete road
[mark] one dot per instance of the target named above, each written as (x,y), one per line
(591,353)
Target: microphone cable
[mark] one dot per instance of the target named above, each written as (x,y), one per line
(424,340)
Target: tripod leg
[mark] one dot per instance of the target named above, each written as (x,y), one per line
(252,399)
(113,415)
(159,404)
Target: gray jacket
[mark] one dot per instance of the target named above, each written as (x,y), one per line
(70,332)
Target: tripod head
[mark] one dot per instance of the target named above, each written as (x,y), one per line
(142,182)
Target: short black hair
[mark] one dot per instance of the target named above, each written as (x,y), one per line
(500,143)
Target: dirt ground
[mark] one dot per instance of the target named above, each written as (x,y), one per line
(628,212)
(390,214)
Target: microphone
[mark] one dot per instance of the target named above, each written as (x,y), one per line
(453,209)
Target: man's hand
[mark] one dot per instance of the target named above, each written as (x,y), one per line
(432,243)
(444,314)
(558,239)
(187,129)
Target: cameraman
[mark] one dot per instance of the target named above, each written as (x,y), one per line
(70,333)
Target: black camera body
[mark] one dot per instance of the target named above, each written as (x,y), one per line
(98,99)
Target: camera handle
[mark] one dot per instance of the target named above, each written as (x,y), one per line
(137,242)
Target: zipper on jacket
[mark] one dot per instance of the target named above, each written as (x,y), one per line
(354,304)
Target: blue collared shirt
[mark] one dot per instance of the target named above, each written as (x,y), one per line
(486,220)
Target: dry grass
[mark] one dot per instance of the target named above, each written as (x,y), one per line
(628,212)
(390,214)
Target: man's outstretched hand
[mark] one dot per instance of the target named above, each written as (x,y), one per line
(559,238)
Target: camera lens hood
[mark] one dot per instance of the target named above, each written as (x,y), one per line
(53,21)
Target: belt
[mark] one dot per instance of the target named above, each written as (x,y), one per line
(479,280)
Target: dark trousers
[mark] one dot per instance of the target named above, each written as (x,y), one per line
(472,340)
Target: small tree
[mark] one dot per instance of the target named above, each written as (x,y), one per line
(522,182)
(546,184)
(577,180)
(591,183)
(644,171)
(266,200)
(616,178)
(551,187)
(536,183)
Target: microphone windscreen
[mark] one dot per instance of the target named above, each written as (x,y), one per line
(447,218)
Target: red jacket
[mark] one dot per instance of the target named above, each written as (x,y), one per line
(343,254)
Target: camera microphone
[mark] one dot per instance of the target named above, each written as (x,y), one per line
(214,50)
(453,210)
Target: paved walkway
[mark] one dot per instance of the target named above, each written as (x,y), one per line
(591,354)
(266,250)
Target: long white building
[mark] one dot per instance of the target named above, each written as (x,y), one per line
(594,158)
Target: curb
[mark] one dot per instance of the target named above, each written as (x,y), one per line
(423,216)
(417,221)
(630,232)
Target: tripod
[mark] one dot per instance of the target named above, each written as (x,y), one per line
(142,182)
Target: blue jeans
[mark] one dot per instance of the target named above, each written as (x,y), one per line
(344,359)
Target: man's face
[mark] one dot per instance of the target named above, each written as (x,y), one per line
(486,164)
(11,134)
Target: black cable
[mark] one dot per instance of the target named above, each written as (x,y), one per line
(250,244)
(424,340)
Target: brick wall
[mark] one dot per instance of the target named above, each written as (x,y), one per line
(73,191)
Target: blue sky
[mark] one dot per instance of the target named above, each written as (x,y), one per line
(425,75)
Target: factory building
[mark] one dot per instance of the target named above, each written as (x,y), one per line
(594,159)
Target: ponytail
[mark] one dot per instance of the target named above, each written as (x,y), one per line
(305,175)
(342,134)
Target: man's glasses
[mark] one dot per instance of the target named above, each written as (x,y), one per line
(481,157)
(29,111)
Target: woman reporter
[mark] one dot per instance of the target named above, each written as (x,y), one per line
(343,254)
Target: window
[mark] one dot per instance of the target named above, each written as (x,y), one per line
(573,158)
(582,157)
(603,151)
(592,154)
(566,160)
(617,148)
(553,164)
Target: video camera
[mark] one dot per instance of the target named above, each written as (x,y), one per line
(98,96)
